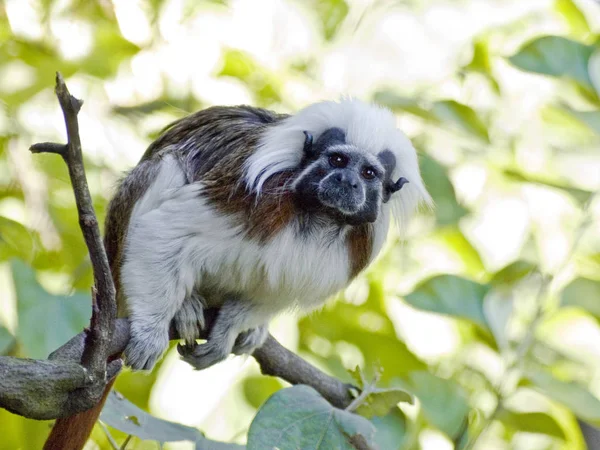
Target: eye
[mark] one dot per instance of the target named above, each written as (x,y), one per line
(338,160)
(368,173)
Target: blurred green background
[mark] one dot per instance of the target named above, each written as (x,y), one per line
(487,310)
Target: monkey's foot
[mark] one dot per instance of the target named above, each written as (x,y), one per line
(204,355)
(249,340)
(189,320)
(145,348)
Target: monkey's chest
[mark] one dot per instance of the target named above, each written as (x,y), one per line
(289,271)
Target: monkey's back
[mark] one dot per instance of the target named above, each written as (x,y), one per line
(210,145)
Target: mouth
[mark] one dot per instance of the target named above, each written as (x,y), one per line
(344,200)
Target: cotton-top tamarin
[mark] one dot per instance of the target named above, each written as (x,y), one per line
(254,213)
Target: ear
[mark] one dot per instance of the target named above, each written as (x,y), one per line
(308,149)
(395,187)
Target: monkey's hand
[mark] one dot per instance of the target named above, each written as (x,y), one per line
(145,347)
(230,333)
(189,319)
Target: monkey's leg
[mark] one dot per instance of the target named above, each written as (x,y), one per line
(234,318)
(189,320)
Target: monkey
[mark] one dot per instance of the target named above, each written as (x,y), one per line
(255,213)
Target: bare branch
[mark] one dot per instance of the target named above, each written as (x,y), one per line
(44,389)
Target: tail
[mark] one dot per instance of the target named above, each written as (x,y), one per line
(71,433)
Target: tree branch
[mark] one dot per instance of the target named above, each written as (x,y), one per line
(74,377)
(41,389)
(104,306)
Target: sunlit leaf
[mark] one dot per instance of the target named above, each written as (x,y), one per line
(579,195)
(382,400)
(556,56)
(574,396)
(6,340)
(443,402)
(298,417)
(401,103)
(46,321)
(257,389)
(481,63)
(462,116)
(532,422)
(448,113)
(435,176)
(331,14)
(512,273)
(573,16)
(451,295)
(590,118)
(121,414)
(15,240)
(583,293)
(453,238)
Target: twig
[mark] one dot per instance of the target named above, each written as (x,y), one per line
(104,307)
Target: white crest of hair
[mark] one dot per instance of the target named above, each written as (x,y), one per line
(370,128)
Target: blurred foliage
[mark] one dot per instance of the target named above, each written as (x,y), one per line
(487,311)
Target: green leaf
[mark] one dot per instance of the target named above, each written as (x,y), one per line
(481,63)
(574,396)
(298,417)
(445,112)
(390,430)
(512,273)
(556,56)
(579,195)
(573,16)
(15,240)
(583,293)
(451,295)
(453,238)
(435,176)
(257,389)
(532,422)
(46,321)
(401,103)
(444,403)
(462,116)
(6,340)
(589,118)
(382,400)
(331,14)
(121,414)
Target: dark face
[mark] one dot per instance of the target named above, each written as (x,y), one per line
(340,180)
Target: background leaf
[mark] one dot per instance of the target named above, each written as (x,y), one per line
(451,295)
(298,417)
(556,56)
(46,321)
(583,293)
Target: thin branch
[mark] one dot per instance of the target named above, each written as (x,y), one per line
(98,338)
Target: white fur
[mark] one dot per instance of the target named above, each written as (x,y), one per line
(177,242)
(369,127)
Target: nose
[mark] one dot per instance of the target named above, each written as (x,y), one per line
(347,178)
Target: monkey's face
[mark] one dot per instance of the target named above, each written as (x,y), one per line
(341,180)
